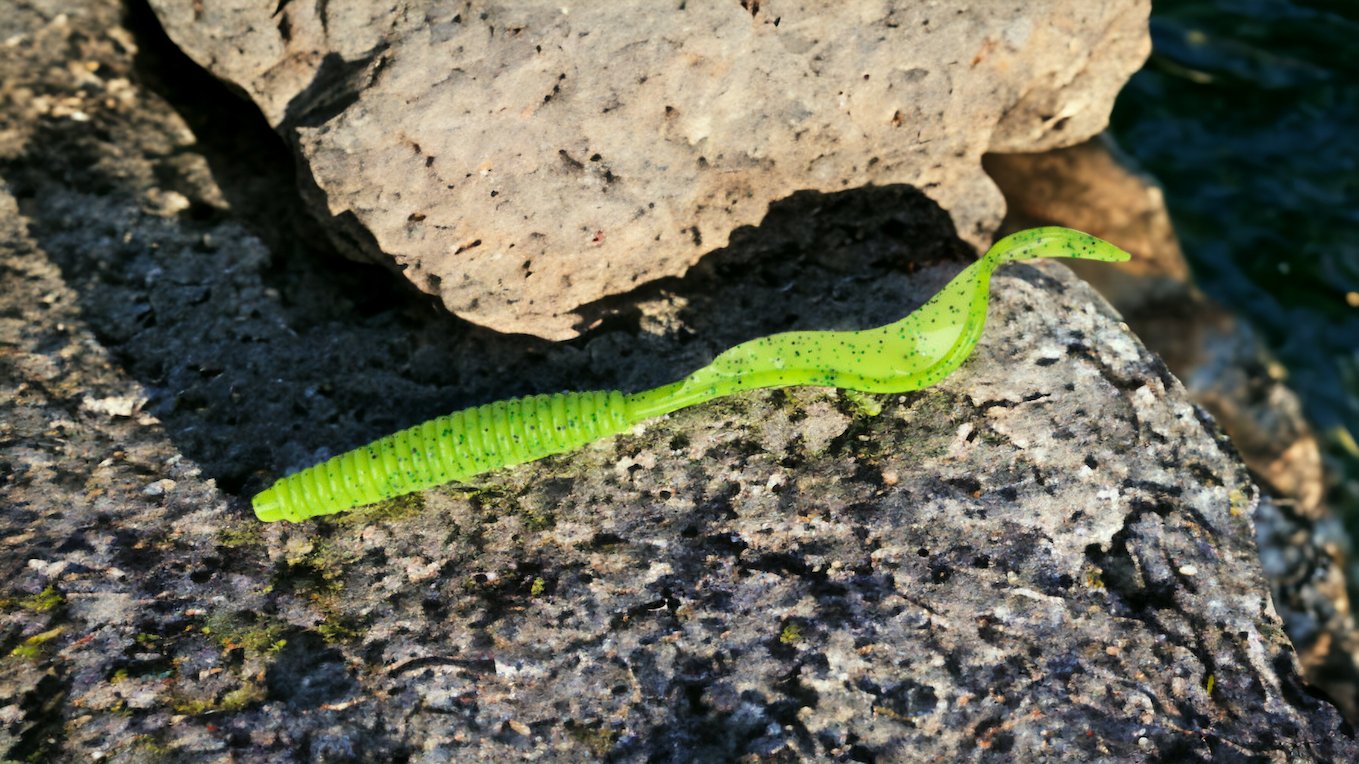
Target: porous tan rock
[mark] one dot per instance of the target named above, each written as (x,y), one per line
(522,160)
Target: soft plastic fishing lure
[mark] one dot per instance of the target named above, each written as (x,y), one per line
(915,352)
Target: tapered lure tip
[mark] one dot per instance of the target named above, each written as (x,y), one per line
(1055,241)
(269,507)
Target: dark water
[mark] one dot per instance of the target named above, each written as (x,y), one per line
(1248,113)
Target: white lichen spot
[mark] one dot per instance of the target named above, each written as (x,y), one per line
(159,488)
(656,571)
(419,569)
(1118,348)
(115,405)
(960,442)
(1110,495)
(645,460)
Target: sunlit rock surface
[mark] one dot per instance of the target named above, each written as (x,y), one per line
(521,160)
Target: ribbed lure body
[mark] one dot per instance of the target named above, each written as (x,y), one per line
(447,448)
(915,352)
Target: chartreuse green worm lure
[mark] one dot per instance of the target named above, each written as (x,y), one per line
(915,352)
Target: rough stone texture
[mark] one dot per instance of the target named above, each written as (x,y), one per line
(980,570)
(1050,554)
(1225,367)
(521,160)
(1095,187)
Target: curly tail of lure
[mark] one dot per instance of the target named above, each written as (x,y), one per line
(915,352)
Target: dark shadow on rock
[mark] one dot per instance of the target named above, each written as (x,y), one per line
(307,672)
(251,164)
(262,351)
(253,366)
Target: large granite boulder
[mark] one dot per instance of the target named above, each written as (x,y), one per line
(520,160)
(1048,555)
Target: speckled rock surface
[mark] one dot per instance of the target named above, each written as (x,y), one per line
(1049,555)
(1226,369)
(1093,187)
(521,160)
